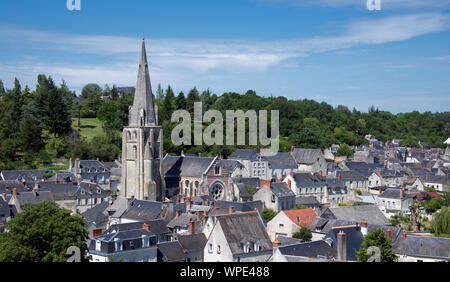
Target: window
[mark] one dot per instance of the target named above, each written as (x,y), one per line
(210,248)
(281,225)
(273,198)
(246,247)
(257,246)
(131,244)
(217,169)
(118,246)
(298,219)
(98,245)
(218,249)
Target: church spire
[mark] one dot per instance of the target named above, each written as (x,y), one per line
(142,112)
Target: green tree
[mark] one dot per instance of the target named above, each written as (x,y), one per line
(43,233)
(31,134)
(304,234)
(307,138)
(2,88)
(344,150)
(268,214)
(56,115)
(441,223)
(90,89)
(180,102)
(376,238)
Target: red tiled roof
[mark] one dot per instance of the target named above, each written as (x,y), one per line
(303,218)
(434,194)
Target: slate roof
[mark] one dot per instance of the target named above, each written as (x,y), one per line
(6,210)
(34,198)
(60,192)
(246,227)
(281,160)
(176,166)
(157,227)
(284,241)
(393,193)
(324,225)
(362,166)
(231,165)
(64,177)
(369,213)
(421,246)
(97,214)
(11,184)
(306,156)
(309,249)
(191,243)
(241,154)
(27,175)
(255,182)
(143,210)
(183,220)
(93,165)
(281,190)
(171,251)
(306,179)
(238,206)
(306,200)
(351,175)
(243,192)
(302,218)
(354,240)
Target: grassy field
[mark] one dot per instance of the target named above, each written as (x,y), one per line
(90,127)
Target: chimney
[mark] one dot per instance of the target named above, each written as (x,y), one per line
(205,217)
(340,176)
(380,191)
(179,213)
(379,172)
(207,203)
(276,243)
(364,230)
(6,186)
(70,165)
(145,198)
(216,207)
(404,235)
(89,189)
(342,246)
(177,200)
(146,226)
(292,148)
(321,174)
(230,209)
(279,180)
(182,153)
(403,191)
(77,166)
(188,203)
(15,191)
(292,174)
(199,155)
(221,157)
(192,226)
(289,184)
(388,233)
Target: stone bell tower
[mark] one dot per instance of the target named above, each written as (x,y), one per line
(142,143)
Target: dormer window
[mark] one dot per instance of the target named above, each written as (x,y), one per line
(118,245)
(145,241)
(131,244)
(246,247)
(98,245)
(298,219)
(99,191)
(257,246)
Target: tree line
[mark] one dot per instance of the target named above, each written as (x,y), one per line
(36,126)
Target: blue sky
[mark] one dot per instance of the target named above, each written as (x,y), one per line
(337,51)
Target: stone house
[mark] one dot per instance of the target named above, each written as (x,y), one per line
(276,196)
(288,222)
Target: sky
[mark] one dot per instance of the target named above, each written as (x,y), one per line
(336,51)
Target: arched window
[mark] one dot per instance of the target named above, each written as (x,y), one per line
(217,191)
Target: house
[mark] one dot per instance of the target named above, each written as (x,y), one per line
(413,182)
(235,168)
(286,223)
(315,251)
(309,160)
(253,162)
(193,246)
(131,245)
(185,223)
(124,210)
(97,219)
(238,238)
(439,183)
(276,196)
(7,187)
(63,178)
(280,165)
(336,192)
(412,248)
(354,181)
(91,171)
(394,201)
(156,226)
(308,184)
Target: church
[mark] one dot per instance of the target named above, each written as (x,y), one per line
(142,143)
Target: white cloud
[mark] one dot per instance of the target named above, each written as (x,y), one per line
(113,59)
